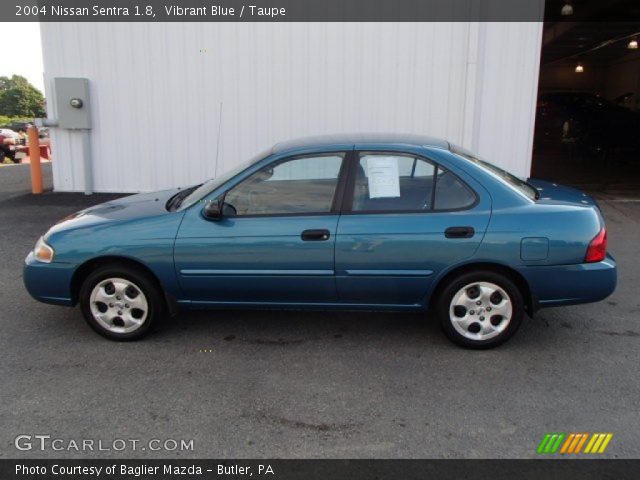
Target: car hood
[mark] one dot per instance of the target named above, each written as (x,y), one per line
(122,209)
(551,192)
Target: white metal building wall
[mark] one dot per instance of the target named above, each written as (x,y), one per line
(160,90)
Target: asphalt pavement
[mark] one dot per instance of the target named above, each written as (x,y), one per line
(311,385)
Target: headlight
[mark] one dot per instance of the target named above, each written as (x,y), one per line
(43,252)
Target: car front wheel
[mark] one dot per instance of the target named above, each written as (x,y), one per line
(120,302)
(480,309)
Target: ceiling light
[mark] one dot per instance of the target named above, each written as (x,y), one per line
(633,44)
(579,68)
(567,9)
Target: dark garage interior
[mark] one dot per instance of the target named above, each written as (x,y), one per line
(588,112)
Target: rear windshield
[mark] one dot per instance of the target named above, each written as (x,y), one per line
(523,187)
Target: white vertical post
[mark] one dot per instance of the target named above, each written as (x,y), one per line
(87,166)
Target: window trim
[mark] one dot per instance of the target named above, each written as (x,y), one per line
(487,167)
(356,155)
(338,192)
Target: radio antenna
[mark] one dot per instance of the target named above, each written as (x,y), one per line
(215,172)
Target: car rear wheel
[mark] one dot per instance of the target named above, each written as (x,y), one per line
(480,309)
(120,302)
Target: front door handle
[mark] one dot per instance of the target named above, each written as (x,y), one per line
(315,235)
(459,232)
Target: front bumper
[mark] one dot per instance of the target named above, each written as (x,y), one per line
(48,282)
(571,284)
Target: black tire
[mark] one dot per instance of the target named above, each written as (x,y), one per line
(2,155)
(444,309)
(145,283)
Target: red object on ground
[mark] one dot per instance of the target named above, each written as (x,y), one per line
(45,152)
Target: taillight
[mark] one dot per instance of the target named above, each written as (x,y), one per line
(597,250)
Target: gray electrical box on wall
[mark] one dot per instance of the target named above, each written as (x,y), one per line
(72,103)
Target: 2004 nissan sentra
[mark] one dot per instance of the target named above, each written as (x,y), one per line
(362,222)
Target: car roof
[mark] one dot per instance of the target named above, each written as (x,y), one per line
(361,138)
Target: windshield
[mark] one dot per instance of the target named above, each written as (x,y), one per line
(523,187)
(210,185)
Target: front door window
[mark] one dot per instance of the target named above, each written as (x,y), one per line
(302,185)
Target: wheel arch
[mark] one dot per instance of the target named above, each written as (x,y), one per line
(511,273)
(81,273)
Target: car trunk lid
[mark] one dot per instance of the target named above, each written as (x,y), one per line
(551,192)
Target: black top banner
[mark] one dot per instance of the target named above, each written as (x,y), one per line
(316,10)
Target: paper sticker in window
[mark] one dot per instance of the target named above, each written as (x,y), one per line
(383,177)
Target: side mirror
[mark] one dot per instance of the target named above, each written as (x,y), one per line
(218,209)
(213,210)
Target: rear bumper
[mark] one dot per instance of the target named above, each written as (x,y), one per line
(571,284)
(48,282)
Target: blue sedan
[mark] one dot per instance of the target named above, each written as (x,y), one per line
(397,222)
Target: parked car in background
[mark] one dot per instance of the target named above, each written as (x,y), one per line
(590,122)
(8,141)
(18,126)
(397,222)
(7,132)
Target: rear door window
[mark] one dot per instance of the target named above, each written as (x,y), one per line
(451,193)
(390,182)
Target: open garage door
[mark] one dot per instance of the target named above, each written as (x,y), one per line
(588,111)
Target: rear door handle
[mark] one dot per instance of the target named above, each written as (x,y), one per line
(459,232)
(318,235)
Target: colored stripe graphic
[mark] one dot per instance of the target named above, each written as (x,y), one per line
(598,443)
(604,445)
(572,443)
(557,443)
(581,443)
(544,441)
(550,443)
(594,437)
(567,442)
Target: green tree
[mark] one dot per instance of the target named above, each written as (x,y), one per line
(19,98)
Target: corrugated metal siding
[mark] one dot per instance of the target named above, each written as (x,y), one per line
(159,91)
